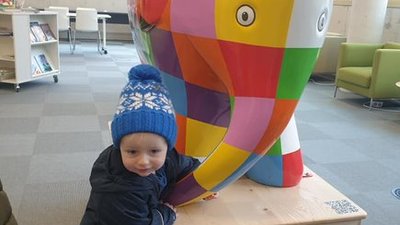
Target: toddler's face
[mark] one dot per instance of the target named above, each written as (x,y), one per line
(143,153)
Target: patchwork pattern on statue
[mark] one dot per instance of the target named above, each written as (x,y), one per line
(236,70)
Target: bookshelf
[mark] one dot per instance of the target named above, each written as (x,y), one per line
(18,53)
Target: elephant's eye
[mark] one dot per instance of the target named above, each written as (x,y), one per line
(245,15)
(322,20)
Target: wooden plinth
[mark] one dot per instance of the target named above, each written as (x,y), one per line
(245,202)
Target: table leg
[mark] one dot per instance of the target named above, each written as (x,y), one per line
(104,37)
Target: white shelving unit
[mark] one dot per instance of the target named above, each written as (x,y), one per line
(17,51)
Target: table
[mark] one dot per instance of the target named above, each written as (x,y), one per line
(102,17)
(245,202)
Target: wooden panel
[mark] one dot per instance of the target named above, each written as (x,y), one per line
(245,202)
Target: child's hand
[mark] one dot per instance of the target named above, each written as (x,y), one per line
(211,197)
(170,206)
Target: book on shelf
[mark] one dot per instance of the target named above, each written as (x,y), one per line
(7,57)
(43,63)
(37,31)
(47,31)
(7,73)
(36,71)
(33,37)
(6,4)
(5,32)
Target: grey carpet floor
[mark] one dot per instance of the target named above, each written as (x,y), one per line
(51,133)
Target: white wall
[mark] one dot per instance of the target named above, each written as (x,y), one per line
(101,5)
(341,12)
(391,32)
(114,31)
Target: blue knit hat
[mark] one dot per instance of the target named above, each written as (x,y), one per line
(144,106)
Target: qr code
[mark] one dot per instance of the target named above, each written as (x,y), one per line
(342,206)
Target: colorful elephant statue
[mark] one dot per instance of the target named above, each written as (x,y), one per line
(236,70)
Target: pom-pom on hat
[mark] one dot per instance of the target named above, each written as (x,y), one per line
(144,106)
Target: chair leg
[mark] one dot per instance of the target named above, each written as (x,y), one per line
(99,42)
(371,101)
(70,39)
(334,94)
(73,42)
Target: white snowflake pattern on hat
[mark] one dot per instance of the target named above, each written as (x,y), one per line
(150,100)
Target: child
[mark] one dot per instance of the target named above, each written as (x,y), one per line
(130,177)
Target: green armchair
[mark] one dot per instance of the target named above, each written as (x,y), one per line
(370,70)
(6,216)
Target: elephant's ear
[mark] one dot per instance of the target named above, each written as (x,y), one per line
(151,10)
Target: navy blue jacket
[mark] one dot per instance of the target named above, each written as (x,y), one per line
(120,197)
